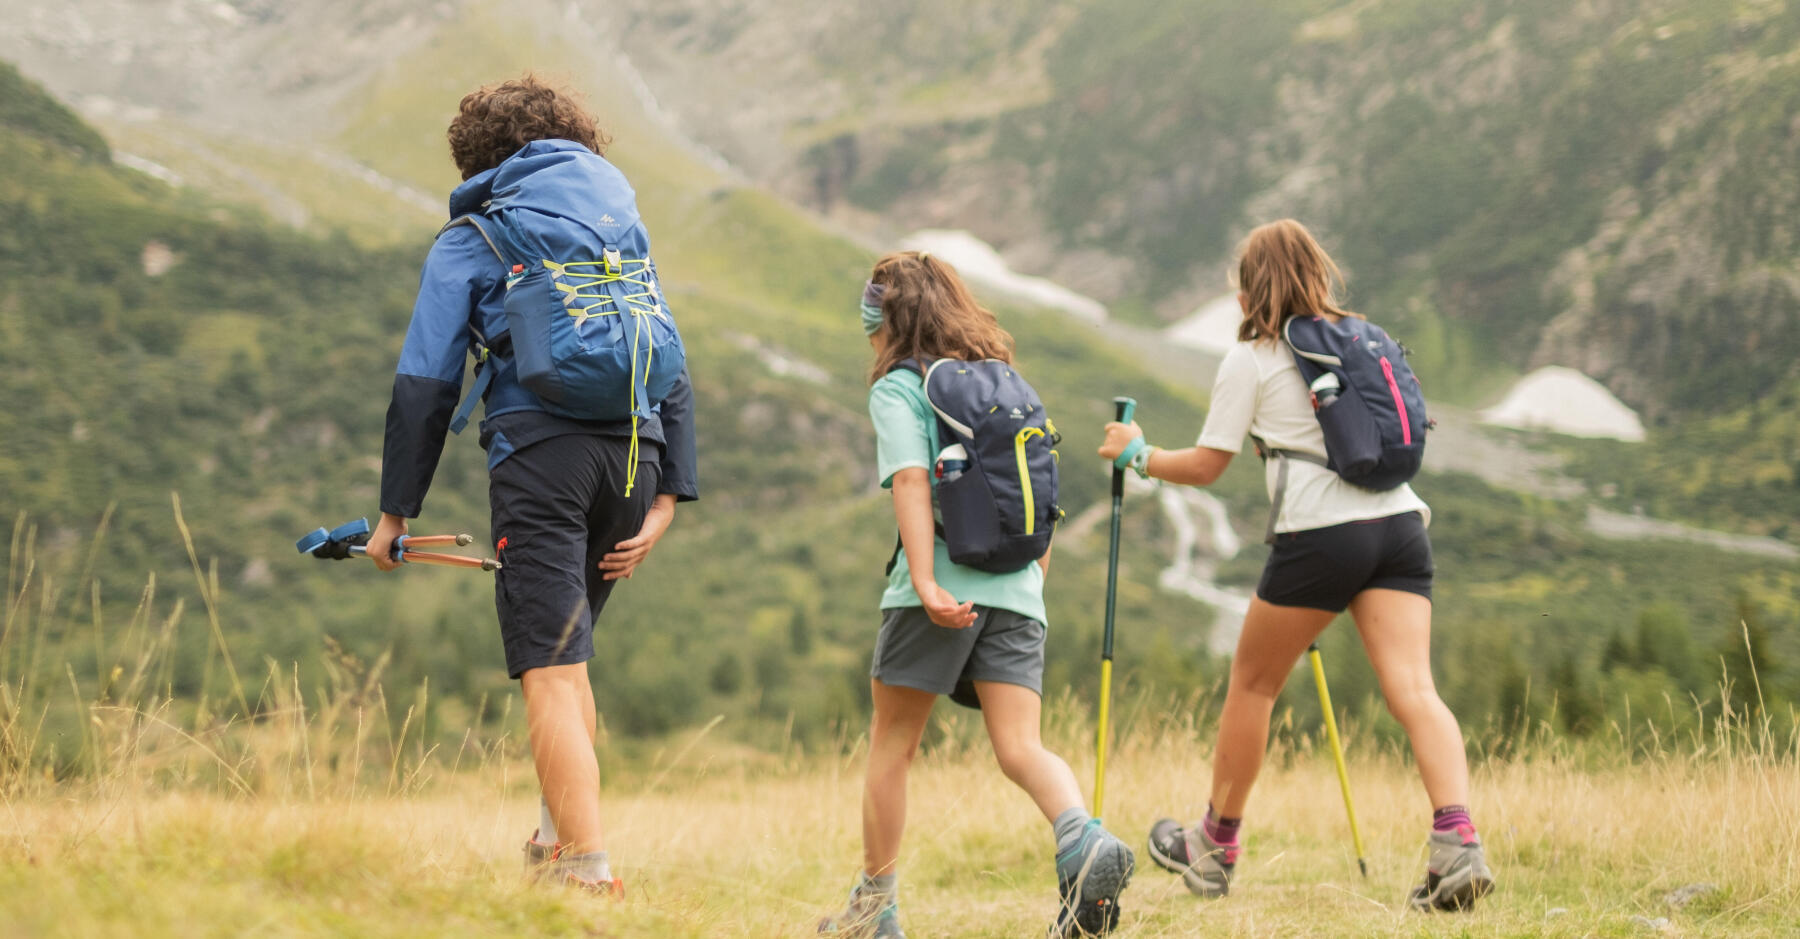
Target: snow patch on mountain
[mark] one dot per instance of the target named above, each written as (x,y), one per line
(979,263)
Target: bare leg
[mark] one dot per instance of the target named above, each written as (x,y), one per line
(1012,716)
(1396,631)
(894,733)
(559,710)
(1273,639)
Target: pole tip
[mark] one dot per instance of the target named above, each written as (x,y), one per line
(464,540)
(1364,865)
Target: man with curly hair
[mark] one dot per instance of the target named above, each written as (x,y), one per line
(572,513)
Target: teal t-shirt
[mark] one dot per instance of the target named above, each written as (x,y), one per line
(906,436)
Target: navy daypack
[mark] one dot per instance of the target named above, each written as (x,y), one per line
(587,327)
(1366,399)
(996,473)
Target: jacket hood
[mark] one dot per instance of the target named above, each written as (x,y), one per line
(473,195)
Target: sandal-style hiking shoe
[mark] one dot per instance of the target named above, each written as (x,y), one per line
(613,889)
(538,856)
(1205,865)
(1089,879)
(870,917)
(1457,874)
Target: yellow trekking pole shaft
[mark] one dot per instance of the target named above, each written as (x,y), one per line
(1337,753)
(1122,411)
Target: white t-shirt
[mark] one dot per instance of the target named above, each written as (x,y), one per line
(1259,391)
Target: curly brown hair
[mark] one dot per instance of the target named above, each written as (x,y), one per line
(927,313)
(494,121)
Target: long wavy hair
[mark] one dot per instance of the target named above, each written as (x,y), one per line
(927,313)
(494,121)
(1283,272)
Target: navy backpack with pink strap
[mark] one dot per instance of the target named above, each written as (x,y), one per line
(1367,401)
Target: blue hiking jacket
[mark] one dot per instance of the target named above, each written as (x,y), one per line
(461,291)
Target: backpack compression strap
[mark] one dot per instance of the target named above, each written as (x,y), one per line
(1267,452)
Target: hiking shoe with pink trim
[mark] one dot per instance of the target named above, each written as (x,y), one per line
(1204,864)
(1457,874)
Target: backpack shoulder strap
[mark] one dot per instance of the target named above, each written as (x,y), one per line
(470,221)
(484,370)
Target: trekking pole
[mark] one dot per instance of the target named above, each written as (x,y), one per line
(432,557)
(1123,408)
(1337,753)
(351,540)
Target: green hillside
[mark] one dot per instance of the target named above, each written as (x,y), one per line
(158,343)
(1487,170)
(1509,184)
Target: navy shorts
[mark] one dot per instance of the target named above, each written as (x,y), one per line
(1325,568)
(558,507)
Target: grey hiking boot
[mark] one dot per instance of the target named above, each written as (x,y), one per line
(1457,874)
(1204,864)
(1089,878)
(867,916)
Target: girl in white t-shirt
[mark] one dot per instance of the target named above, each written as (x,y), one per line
(1336,546)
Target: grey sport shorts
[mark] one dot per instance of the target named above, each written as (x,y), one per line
(913,652)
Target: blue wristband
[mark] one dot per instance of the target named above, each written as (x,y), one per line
(1123,460)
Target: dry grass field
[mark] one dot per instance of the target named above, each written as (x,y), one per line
(716,842)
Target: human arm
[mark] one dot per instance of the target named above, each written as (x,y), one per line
(918,538)
(679,475)
(1191,466)
(625,557)
(428,378)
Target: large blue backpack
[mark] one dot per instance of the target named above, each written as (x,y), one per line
(587,327)
(1366,398)
(996,471)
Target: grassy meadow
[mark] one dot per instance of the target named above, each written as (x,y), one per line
(283,809)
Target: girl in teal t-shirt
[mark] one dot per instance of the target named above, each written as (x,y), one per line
(946,628)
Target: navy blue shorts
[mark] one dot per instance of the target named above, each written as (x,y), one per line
(558,507)
(1325,568)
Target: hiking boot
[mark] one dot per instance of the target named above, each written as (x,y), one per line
(868,916)
(1457,874)
(538,856)
(612,889)
(1089,878)
(1204,864)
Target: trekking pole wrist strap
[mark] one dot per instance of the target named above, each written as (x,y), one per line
(1140,464)
(1129,453)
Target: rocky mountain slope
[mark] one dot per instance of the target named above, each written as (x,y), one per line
(1603,185)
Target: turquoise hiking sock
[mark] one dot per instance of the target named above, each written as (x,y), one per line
(1073,828)
(881,885)
(1069,827)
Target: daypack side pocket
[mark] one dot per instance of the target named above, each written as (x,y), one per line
(533,311)
(1351,437)
(971,519)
